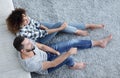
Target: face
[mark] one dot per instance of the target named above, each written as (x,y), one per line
(28,46)
(25,19)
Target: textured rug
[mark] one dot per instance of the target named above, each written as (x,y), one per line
(101,63)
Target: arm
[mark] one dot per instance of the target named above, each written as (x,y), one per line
(47,48)
(60,59)
(43,27)
(62,27)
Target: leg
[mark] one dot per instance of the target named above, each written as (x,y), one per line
(47,38)
(94,26)
(70,63)
(87,26)
(77,29)
(52,25)
(66,45)
(81,32)
(103,42)
(80,44)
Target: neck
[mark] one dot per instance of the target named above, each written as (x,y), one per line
(27,55)
(23,25)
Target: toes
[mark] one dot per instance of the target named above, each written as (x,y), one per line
(83,65)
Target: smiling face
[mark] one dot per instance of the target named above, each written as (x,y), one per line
(28,46)
(25,19)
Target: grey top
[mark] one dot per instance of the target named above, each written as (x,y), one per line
(34,64)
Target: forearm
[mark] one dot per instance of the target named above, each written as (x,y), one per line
(63,57)
(46,48)
(49,49)
(60,59)
(53,30)
(57,61)
(43,27)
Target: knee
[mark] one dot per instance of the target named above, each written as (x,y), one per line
(69,58)
(70,61)
(56,25)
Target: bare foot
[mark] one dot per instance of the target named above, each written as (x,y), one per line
(78,66)
(82,33)
(105,41)
(94,26)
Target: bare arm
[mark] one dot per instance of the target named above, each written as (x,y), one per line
(43,27)
(47,48)
(60,59)
(62,27)
(53,30)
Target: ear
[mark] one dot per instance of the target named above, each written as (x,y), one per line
(22,50)
(23,15)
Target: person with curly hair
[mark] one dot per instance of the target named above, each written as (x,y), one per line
(20,23)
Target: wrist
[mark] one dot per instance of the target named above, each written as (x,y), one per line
(69,53)
(59,29)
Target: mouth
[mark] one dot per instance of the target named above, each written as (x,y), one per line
(29,50)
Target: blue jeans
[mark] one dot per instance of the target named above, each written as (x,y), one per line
(64,47)
(71,28)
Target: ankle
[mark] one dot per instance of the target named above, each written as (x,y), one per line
(96,43)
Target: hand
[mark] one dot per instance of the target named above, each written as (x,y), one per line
(73,51)
(57,53)
(63,26)
(43,27)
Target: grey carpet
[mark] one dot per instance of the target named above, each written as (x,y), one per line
(101,63)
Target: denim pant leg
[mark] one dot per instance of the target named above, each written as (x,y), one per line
(66,45)
(69,62)
(78,25)
(72,28)
(47,38)
(48,25)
